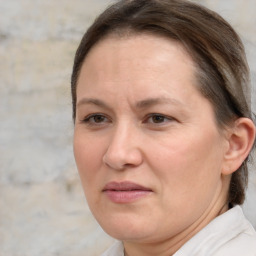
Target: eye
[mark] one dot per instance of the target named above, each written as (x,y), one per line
(158,119)
(95,119)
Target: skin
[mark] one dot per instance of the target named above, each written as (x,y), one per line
(180,153)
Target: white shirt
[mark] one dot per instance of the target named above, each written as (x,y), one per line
(230,234)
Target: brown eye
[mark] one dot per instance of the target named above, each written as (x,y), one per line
(98,118)
(158,119)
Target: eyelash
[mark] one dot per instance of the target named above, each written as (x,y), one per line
(90,119)
(163,118)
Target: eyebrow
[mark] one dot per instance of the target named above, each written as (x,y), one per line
(156,101)
(146,103)
(92,101)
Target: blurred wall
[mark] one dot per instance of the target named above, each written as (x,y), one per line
(42,206)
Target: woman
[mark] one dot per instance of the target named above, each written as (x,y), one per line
(163,129)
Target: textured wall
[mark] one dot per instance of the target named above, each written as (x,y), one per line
(42,207)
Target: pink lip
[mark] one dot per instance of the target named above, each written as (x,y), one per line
(125,192)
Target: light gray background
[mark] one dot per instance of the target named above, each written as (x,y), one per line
(42,206)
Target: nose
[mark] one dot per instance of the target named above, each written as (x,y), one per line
(124,149)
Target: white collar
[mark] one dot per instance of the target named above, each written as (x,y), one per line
(217,235)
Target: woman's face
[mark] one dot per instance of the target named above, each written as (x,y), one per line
(146,144)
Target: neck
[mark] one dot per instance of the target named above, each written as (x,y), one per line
(171,245)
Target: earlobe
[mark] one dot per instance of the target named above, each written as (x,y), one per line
(241,138)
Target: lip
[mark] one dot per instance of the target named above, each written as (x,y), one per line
(125,192)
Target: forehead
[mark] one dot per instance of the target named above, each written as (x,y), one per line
(137,68)
(131,39)
(125,72)
(137,54)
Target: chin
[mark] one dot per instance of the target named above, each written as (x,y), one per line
(127,228)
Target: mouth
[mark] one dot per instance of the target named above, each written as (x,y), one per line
(125,192)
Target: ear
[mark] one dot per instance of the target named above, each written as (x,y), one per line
(240,142)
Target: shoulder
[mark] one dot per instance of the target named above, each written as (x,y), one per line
(116,249)
(229,234)
(242,236)
(244,243)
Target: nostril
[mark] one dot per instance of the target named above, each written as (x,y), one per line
(120,156)
(128,165)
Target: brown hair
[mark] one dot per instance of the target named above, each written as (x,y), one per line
(214,46)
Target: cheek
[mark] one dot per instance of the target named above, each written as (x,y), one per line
(188,162)
(88,154)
